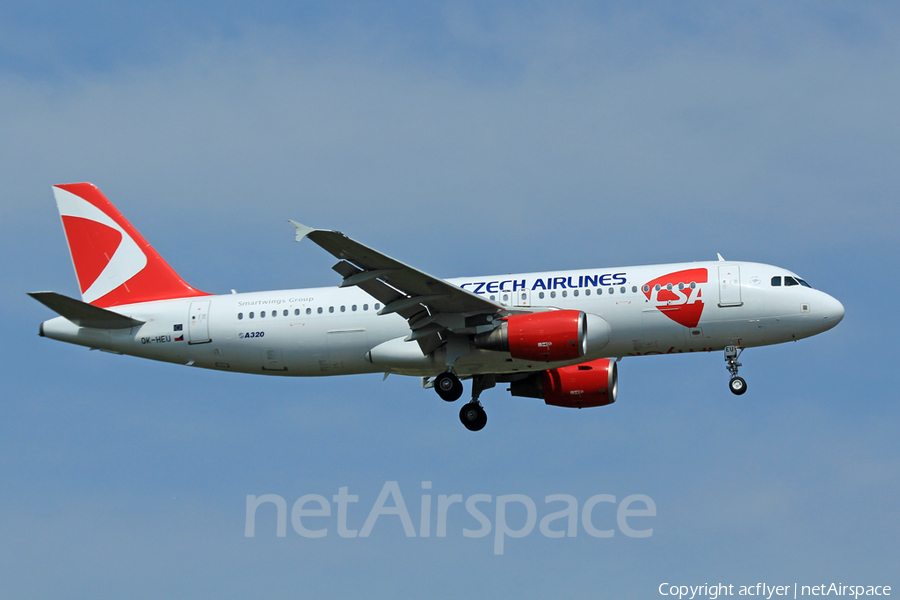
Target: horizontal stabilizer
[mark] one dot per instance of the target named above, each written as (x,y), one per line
(84,314)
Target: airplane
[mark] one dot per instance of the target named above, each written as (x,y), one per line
(556,336)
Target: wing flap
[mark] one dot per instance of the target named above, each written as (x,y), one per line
(368,281)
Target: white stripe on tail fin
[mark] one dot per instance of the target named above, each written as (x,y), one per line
(113,263)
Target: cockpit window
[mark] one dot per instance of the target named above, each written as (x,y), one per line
(789,281)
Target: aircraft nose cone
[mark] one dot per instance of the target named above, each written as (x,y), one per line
(833,312)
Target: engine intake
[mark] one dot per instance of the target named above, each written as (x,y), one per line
(594,383)
(551,336)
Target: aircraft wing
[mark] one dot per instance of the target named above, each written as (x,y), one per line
(430,304)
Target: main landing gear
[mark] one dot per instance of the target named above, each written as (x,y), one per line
(472,413)
(737,385)
(450,388)
(473,416)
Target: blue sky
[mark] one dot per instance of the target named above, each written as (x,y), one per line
(465,140)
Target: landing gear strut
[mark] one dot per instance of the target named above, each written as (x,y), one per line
(448,386)
(737,385)
(472,414)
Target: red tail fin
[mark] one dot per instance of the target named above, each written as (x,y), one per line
(113,262)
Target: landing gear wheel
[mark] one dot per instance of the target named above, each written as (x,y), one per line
(737,385)
(448,387)
(473,416)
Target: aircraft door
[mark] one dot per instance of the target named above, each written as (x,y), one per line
(521,297)
(730,286)
(198,323)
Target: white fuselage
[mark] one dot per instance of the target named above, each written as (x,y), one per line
(337,331)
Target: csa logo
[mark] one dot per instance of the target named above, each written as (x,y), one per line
(677,295)
(104,254)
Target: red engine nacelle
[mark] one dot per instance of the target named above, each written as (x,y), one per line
(593,383)
(546,336)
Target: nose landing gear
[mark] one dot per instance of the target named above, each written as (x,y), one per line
(737,385)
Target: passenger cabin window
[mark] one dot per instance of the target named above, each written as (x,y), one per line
(776,281)
(319,310)
(297,311)
(240,316)
(309,311)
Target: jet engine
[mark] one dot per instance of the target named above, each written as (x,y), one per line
(589,384)
(551,336)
